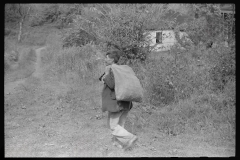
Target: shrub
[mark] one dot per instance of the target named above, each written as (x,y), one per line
(117,27)
(223,69)
(58,14)
(179,74)
(183,82)
(171,77)
(77,39)
(46,14)
(158,90)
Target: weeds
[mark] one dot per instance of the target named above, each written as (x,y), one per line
(193,116)
(184,83)
(80,60)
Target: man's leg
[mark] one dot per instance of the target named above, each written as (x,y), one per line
(123,118)
(113,119)
(112,123)
(118,131)
(122,121)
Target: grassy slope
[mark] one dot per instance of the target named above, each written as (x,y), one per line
(61,114)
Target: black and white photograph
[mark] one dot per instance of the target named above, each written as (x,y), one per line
(119,80)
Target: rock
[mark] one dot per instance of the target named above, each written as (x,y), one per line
(153,149)
(23,107)
(105,151)
(98,117)
(173,151)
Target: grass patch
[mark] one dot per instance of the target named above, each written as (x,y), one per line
(74,63)
(208,115)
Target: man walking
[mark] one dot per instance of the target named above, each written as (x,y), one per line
(117,110)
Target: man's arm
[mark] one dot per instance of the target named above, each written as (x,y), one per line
(109,80)
(100,78)
(107,70)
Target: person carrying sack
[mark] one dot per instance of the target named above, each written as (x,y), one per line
(117,108)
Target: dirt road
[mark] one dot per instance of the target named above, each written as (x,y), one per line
(42,121)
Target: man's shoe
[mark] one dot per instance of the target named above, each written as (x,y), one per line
(131,142)
(116,144)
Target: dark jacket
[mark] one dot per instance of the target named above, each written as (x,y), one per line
(109,102)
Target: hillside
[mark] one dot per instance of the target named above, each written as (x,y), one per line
(52,101)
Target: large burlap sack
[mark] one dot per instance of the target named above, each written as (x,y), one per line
(127,85)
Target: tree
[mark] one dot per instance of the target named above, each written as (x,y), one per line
(121,26)
(23,12)
(17,13)
(206,24)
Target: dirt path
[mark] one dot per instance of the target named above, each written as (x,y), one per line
(10,87)
(49,124)
(38,70)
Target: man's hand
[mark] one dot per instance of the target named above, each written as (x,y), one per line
(107,70)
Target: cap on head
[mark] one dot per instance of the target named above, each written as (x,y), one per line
(115,54)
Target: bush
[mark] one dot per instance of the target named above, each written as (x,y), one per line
(171,77)
(47,14)
(77,39)
(182,83)
(60,15)
(158,91)
(223,69)
(133,55)
(117,27)
(179,74)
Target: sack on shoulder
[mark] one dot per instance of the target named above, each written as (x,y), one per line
(127,85)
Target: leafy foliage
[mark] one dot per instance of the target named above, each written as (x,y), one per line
(45,14)
(60,14)
(14,12)
(117,26)
(79,39)
(224,69)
